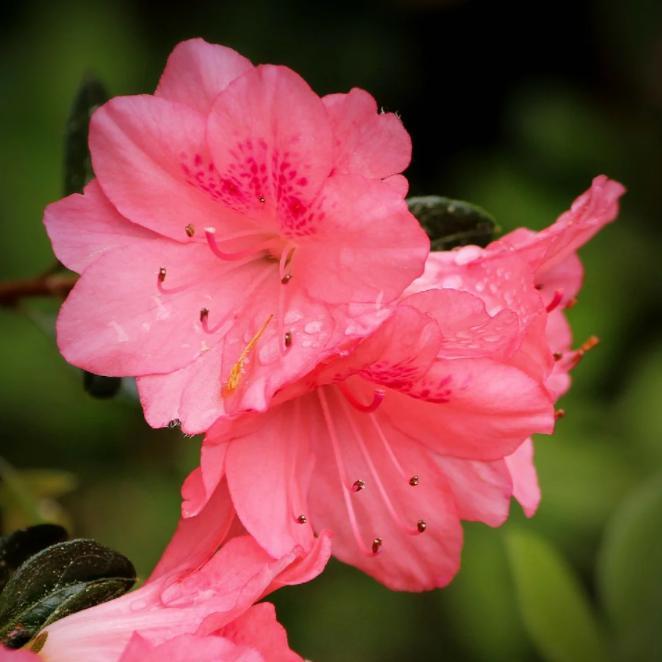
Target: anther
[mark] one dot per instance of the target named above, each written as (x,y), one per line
(557,356)
(174,423)
(376,545)
(571,303)
(162,274)
(261,199)
(204,315)
(559,413)
(302,519)
(288,338)
(421,525)
(414,480)
(358,485)
(556,300)
(190,229)
(589,344)
(286,278)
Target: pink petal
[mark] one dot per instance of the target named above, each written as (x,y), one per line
(116,321)
(197,71)
(476,409)
(259,630)
(272,489)
(151,160)
(588,214)
(9,655)
(481,490)
(186,647)
(197,538)
(367,143)
(388,507)
(270,138)
(366,237)
(83,227)
(525,479)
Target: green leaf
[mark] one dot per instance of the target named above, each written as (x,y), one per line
(57,581)
(554,608)
(77,165)
(20,545)
(101,387)
(629,573)
(450,223)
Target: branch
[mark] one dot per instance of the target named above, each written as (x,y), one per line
(46,285)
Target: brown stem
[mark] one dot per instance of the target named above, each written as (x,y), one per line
(47,285)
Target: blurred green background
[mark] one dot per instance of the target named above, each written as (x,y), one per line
(511,106)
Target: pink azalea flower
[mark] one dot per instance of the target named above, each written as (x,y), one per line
(197,605)
(238,231)
(426,423)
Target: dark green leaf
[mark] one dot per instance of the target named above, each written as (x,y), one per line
(77,165)
(58,581)
(101,387)
(553,606)
(20,545)
(450,223)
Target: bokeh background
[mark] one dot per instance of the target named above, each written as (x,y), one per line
(514,106)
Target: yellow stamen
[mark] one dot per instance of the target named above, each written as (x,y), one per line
(238,368)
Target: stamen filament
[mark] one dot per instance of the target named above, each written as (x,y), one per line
(377,399)
(160,279)
(556,300)
(342,473)
(375,474)
(390,453)
(235,255)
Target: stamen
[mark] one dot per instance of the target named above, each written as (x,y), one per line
(389,451)
(586,346)
(236,255)
(160,279)
(237,369)
(421,525)
(261,199)
(556,300)
(414,480)
(343,475)
(302,519)
(376,545)
(190,230)
(358,485)
(285,259)
(571,303)
(288,339)
(375,474)
(377,399)
(557,356)
(559,413)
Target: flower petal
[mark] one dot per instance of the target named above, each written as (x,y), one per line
(525,479)
(367,143)
(270,138)
(197,71)
(151,160)
(366,237)
(83,227)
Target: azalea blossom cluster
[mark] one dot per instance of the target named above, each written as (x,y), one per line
(246,252)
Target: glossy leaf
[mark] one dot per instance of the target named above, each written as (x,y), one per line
(57,581)
(450,223)
(20,545)
(553,606)
(77,166)
(630,573)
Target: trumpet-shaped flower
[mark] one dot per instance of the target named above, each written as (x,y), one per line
(425,423)
(197,605)
(238,231)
